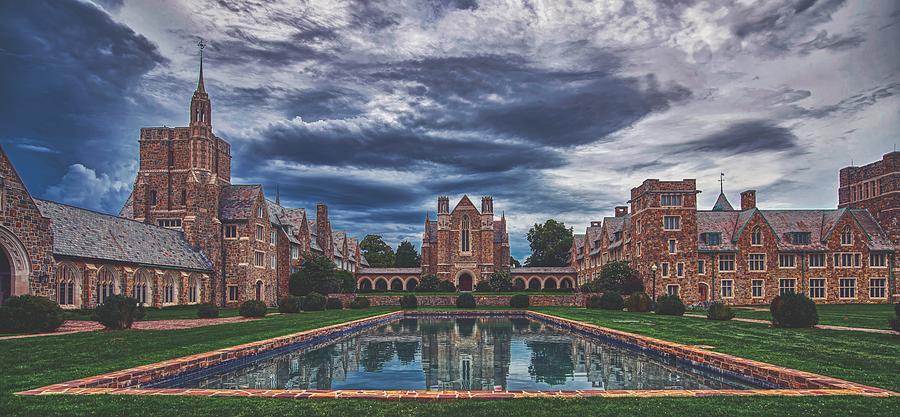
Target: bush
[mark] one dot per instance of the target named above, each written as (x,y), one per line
(670,305)
(719,311)
(483,286)
(118,312)
(638,302)
(408,302)
(428,283)
(897,309)
(593,302)
(313,302)
(793,310)
(348,281)
(611,300)
(317,275)
(446,286)
(289,304)
(519,301)
(359,303)
(588,287)
(334,304)
(207,311)
(30,314)
(465,301)
(501,281)
(253,308)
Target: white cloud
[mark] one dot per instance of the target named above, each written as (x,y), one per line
(82,187)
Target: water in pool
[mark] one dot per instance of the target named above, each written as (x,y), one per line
(462,354)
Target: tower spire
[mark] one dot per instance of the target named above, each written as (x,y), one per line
(200,86)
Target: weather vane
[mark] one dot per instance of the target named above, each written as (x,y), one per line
(722,182)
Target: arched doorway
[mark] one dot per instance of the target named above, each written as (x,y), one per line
(704,291)
(464,282)
(15,266)
(259,290)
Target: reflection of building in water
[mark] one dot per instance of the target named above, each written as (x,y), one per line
(469,354)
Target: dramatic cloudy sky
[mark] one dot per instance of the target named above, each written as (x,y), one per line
(556,108)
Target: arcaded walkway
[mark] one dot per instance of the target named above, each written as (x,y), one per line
(78,326)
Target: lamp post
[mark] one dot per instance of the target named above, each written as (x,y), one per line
(654,268)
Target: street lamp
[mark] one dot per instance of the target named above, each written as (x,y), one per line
(654,268)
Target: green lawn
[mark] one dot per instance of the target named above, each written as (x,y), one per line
(35,362)
(165,313)
(871,316)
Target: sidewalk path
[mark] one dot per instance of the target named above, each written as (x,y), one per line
(78,326)
(818,326)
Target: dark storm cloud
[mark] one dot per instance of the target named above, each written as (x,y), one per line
(836,42)
(743,137)
(241,48)
(69,75)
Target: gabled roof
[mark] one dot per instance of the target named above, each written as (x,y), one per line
(542,270)
(722,204)
(86,234)
(878,239)
(464,201)
(722,222)
(236,201)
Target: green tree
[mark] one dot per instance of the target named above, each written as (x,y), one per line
(620,277)
(406,257)
(500,281)
(550,244)
(348,282)
(316,275)
(378,253)
(514,262)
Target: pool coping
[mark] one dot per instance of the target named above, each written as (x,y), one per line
(792,382)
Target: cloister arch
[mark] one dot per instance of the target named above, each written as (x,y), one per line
(396,284)
(16,266)
(411,284)
(381,284)
(365,284)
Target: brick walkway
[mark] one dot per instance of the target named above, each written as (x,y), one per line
(818,326)
(78,326)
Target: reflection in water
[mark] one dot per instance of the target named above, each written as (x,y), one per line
(463,354)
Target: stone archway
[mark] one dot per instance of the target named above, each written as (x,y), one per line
(464,281)
(703,289)
(14,275)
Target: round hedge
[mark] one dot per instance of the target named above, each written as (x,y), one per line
(719,311)
(793,310)
(483,286)
(253,308)
(30,314)
(360,303)
(118,312)
(638,302)
(334,304)
(207,311)
(446,286)
(592,302)
(670,305)
(313,302)
(465,301)
(611,300)
(409,302)
(519,301)
(289,304)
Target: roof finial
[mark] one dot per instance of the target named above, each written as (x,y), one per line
(201,45)
(277,196)
(722,182)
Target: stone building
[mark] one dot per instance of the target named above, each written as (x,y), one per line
(749,255)
(876,188)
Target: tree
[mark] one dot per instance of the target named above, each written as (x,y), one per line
(620,277)
(316,275)
(550,244)
(406,257)
(500,281)
(514,262)
(378,253)
(348,282)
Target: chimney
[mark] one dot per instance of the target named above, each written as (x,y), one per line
(621,211)
(748,200)
(487,205)
(595,223)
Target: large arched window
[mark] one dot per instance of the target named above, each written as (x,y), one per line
(66,280)
(756,236)
(170,288)
(847,236)
(464,245)
(142,289)
(193,291)
(106,283)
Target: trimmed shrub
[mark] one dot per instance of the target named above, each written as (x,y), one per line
(465,301)
(408,302)
(313,302)
(670,305)
(334,304)
(30,314)
(719,311)
(118,312)
(593,302)
(611,300)
(500,281)
(446,286)
(289,304)
(638,302)
(428,283)
(519,301)
(359,303)
(483,286)
(793,311)
(207,311)
(253,308)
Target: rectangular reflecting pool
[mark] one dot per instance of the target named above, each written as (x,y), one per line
(459,353)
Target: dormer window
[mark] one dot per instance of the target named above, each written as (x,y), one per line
(800,238)
(712,238)
(847,236)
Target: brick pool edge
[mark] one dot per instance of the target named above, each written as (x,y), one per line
(127,381)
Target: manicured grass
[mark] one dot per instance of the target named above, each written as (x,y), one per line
(870,316)
(35,362)
(165,313)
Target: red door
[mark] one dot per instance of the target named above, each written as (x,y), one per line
(465,282)
(704,292)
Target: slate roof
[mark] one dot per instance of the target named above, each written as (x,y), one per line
(542,270)
(236,201)
(128,208)
(279,217)
(717,222)
(387,271)
(579,245)
(87,234)
(722,204)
